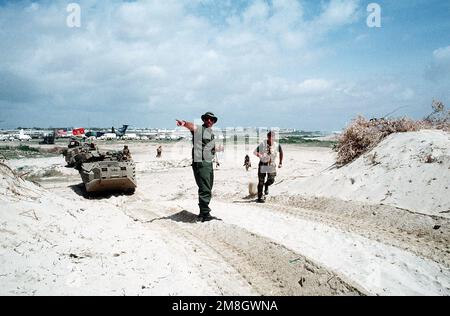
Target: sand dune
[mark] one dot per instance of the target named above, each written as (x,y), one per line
(407,170)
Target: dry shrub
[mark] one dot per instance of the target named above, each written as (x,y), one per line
(54,150)
(3,165)
(439,118)
(362,135)
(52,173)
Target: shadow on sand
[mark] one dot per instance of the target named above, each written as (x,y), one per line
(248,199)
(183,217)
(81,191)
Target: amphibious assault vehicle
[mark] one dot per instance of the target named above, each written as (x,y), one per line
(76,153)
(113,173)
(102,171)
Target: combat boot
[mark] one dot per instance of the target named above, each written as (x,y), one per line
(260,199)
(205,218)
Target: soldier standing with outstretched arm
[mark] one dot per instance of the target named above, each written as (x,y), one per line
(203,152)
(267,152)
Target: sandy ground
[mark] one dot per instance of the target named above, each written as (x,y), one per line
(57,241)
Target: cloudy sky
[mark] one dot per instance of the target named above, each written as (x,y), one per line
(304,64)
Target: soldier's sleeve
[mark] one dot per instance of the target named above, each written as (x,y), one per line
(194,131)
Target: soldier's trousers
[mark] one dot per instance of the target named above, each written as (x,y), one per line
(204,177)
(262,179)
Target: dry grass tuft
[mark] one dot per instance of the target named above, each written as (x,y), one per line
(363,135)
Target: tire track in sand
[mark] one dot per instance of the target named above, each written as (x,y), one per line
(415,233)
(268,267)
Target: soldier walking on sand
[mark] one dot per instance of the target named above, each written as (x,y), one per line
(158,151)
(267,152)
(203,152)
(247,163)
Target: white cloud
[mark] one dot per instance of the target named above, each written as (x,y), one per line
(256,13)
(276,88)
(313,86)
(337,13)
(442,53)
(129,59)
(439,68)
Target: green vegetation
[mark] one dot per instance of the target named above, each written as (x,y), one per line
(27,148)
(311,142)
(24,151)
(302,140)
